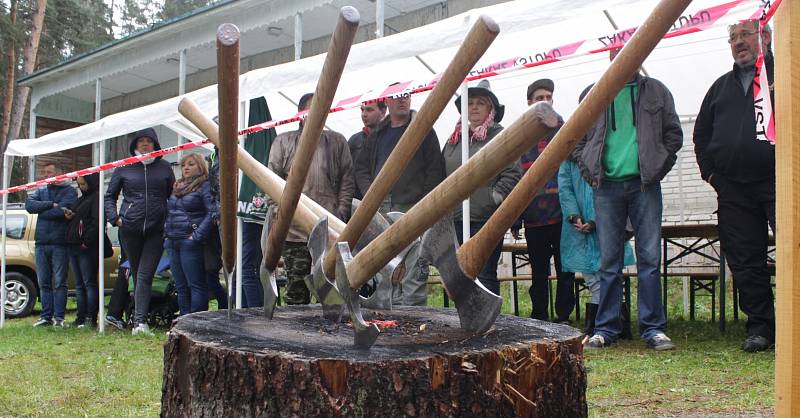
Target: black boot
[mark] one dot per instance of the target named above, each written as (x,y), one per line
(625,318)
(591,314)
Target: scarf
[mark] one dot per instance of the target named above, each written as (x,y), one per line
(187,185)
(147,161)
(478,134)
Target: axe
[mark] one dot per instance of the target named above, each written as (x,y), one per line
(473,254)
(477,307)
(228,107)
(477,41)
(338,49)
(309,216)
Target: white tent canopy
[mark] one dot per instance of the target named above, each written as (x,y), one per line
(686,64)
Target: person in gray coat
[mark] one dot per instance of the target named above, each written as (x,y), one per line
(485,114)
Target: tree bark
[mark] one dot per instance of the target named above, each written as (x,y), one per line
(29,54)
(300,365)
(11,68)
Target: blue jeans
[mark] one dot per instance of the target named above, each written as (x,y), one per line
(84,270)
(252,291)
(615,203)
(487,276)
(52,263)
(216,290)
(186,263)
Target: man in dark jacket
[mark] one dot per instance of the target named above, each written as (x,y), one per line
(741,168)
(424,172)
(542,219)
(145,188)
(624,156)
(371,115)
(329,182)
(52,261)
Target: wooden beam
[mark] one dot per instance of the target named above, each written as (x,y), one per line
(787,152)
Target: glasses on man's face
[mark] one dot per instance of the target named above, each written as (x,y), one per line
(741,35)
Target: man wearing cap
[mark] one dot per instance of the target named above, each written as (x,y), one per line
(542,220)
(624,156)
(371,115)
(740,167)
(329,183)
(484,115)
(424,172)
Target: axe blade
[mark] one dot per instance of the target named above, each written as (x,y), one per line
(268,281)
(364,334)
(477,306)
(324,291)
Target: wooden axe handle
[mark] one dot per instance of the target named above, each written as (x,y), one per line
(338,49)
(501,151)
(308,211)
(472,256)
(477,41)
(228,93)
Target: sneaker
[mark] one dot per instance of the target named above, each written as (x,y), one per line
(660,342)
(42,322)
(756,343)
(142,329)
(78,323)
(595,342)
(116,323)
(59,323)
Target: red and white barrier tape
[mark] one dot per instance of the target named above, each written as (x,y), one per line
(692,22)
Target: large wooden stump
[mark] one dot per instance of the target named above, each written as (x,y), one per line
(301,365)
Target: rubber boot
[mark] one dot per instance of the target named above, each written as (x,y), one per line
(591,314)
(625,318)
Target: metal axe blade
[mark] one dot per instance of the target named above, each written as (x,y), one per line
(268,281)
(477,306)
(324,291)
(364,334)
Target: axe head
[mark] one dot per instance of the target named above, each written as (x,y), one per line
(477,306)
(324,291)
(365,334)
(267,275)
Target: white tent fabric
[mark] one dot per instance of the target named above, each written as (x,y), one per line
(686,64)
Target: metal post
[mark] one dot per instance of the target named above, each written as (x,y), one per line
(181,87)
(379,15)
(6,171)
(101,219)
(465,222)
(243,112)
(298,36)
(32,134)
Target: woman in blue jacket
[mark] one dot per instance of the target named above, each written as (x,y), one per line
(580,251)
(145,188)
(190,213)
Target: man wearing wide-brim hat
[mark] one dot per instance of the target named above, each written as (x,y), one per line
(484,115)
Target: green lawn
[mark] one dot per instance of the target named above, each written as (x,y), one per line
(70,372)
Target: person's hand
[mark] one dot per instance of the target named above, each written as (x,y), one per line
(68,213)
(583,227)
(55,205)
(119,222)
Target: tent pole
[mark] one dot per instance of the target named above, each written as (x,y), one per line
(298,36)
(32,134)
(101,222)
(787,156)
(379,17)
(465,156)
(243,112)
(6,171)
(181,87)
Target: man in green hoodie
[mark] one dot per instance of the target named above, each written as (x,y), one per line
(624,156)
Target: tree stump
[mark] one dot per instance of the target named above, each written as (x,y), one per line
(301,365)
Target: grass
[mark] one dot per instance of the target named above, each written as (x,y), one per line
(70,372)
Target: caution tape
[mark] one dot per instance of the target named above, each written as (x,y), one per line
(693,21)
